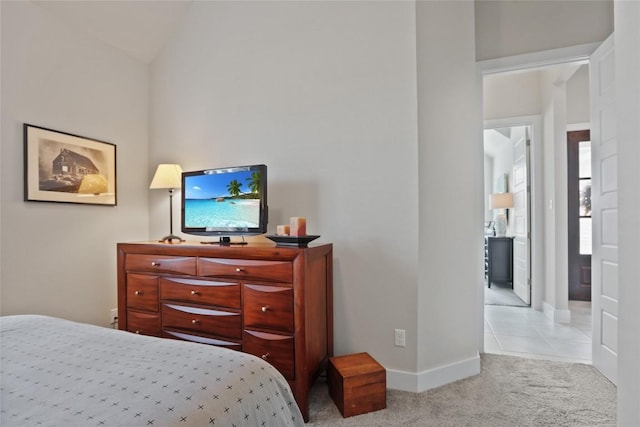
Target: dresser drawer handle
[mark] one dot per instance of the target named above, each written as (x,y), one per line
(264,308)
(138,332)
(155,264)
(138,293)
(238,270)
(195,293)
(195,321)
(265,356)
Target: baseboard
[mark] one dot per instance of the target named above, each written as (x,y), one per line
(432,378)
(558,316)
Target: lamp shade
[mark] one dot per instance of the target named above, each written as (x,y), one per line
(167,176)
(501,201)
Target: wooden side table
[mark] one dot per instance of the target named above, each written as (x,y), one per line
(357,384)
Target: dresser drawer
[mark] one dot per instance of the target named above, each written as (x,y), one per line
(233,345)
(142,292)
(143,323)
(268,307)
(225,294)
(204,320)
(160,264)
(275,349)
(280,271)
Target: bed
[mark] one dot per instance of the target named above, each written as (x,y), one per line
(55,372)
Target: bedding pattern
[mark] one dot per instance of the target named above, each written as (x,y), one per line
(55,372)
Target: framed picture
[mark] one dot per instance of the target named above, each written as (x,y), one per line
(66,168)
(502,183)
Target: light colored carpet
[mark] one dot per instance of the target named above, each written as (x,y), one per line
(510,391)
(501,294)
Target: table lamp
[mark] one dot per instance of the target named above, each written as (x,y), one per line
(169,177)
(501,202)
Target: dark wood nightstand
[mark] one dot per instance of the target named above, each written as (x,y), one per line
(498,261)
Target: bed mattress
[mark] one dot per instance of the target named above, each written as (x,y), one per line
(55,372)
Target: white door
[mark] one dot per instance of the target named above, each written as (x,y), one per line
(521,279)
(604,200)
(521,282)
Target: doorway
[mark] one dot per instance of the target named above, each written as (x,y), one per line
(513,327)
(521,330)
(507,204)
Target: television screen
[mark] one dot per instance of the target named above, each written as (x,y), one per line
(225,201)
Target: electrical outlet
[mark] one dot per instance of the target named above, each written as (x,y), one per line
(114,317)
(400,338)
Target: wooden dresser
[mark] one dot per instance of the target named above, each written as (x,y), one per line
(273,302)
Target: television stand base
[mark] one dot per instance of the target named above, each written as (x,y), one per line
(225,241)
(170,238)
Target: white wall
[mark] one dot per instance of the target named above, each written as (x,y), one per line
(578,107)
(555,190)
(627,64)
(60,259)
(450,193)
(507,28)
(515,94)
(502,159)
(324,93)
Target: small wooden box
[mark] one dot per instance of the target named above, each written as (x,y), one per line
(357,384)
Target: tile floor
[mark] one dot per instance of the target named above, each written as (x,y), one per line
(524,332)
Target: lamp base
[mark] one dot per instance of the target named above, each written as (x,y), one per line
(501,225)
(170,238)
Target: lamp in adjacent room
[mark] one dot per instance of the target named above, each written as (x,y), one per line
(501,202)
(168,177)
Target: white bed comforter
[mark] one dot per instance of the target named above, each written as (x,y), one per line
(54,372)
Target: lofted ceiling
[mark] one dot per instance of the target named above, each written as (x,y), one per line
(139,28)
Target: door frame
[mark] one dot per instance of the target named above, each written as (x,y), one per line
(528,62)
(536,202)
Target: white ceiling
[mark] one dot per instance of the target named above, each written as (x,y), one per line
(139,28)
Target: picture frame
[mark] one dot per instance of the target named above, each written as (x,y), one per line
(502,183)
(66,168)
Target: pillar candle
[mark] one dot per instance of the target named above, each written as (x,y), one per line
(282,230)
(298,226)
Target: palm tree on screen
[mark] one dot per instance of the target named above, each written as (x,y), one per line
(254,182)
(234,187)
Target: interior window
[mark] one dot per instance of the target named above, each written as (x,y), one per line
(584,175)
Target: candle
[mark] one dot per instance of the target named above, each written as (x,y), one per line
(298,226)
(282,230)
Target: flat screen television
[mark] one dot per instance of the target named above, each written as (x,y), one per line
(230,201)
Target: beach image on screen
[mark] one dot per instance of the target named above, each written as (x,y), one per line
(222,200)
